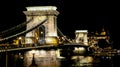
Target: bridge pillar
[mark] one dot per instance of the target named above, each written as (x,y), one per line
(47,32)
(81,36)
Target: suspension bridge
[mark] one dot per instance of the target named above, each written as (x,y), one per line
(41,31)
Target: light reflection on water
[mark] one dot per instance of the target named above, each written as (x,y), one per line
(82,61)
(52,58)
(43,58)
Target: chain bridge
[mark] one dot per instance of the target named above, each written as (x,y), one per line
(41,31)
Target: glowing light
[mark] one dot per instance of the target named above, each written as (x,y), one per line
(41,32)
(20,38)
(43,53)
(78,31)
(76,48)
(79,50)
(41,8)
(28,40)
(32,51)
(52,53)
(51,40)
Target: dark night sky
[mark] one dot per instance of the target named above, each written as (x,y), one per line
(73,15)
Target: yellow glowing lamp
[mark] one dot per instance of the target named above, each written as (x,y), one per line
(103,33)
(51,40)
(16,42)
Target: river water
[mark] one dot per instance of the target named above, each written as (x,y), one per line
(53,58)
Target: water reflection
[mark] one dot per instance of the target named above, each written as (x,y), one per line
(53,58)
(82,61)
(43,58)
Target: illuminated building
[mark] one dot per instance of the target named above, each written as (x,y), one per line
(81,36)
(96,38)
(48,30)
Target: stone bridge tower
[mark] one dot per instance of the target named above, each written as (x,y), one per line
(47,32)
(81,37)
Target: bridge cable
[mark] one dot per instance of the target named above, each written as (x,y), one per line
(24,32)
(59,31)
(15,27)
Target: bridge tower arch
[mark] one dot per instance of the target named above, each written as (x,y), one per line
(81,37)
(47,32)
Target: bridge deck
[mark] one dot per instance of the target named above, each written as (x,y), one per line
(4,48)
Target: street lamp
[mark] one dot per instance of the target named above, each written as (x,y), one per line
(20,41)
